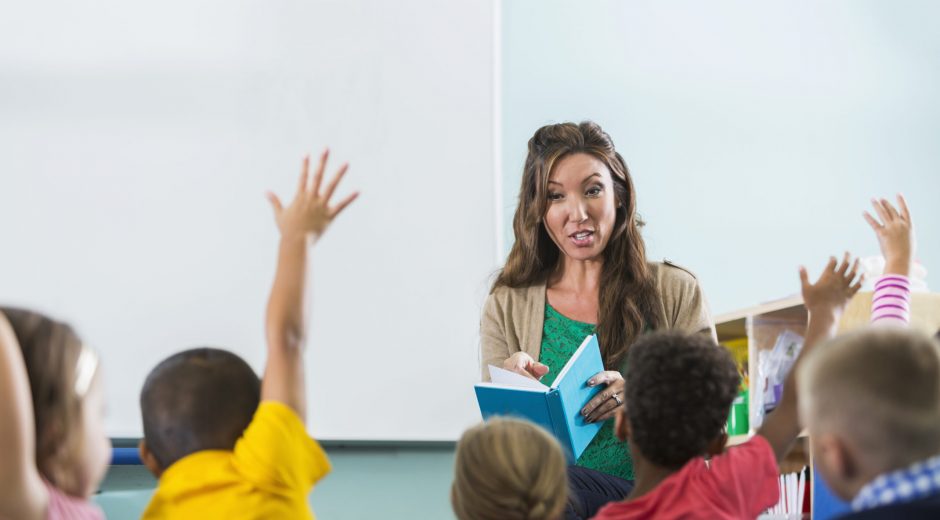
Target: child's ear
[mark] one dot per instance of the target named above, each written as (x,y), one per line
(836,464)
(622,425)
(146,456)
(717,445)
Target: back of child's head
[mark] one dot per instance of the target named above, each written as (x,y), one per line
(199,399)
(72,450)
(509,469)
(879,390)
(679,390)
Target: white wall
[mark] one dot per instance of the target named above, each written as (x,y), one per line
(756,132)
(137,140)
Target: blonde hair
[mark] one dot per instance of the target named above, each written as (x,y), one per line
(509,469)
(879,390)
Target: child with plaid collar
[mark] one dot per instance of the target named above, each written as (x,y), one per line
(872,399)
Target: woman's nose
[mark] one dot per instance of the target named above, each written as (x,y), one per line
(577,212)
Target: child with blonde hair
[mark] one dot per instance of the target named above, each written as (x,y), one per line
(509,469)
(53,448)
(872,398)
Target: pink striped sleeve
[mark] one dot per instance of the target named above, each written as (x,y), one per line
(891,302)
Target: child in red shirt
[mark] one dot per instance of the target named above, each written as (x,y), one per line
(679,391)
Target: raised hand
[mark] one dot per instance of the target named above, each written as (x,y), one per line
(309,214)
(895,231)
(837,284)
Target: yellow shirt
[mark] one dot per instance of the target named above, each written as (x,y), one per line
(268,475)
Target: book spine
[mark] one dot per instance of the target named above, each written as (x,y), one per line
(559,423)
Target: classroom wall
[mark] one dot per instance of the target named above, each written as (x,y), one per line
(756,132)
(137,141)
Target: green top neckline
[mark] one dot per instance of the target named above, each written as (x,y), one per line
(553,310)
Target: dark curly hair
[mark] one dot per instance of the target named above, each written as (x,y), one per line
(679,390)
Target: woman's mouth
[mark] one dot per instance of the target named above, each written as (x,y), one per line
(582,238)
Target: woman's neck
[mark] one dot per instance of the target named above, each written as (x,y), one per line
(578,276)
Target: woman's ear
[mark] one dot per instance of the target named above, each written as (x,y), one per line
(149,460)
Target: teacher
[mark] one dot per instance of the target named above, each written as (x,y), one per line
(578,267)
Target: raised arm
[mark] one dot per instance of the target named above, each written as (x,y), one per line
(825,301)
(22,494)
(894,228)
(301,224)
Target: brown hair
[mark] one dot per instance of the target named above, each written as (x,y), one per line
(627,292)
(50,351)
(508,469)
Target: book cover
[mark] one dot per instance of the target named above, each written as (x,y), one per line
(557,408)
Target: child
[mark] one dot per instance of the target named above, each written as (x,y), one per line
(678,394)
(509,469)
(217,452)
(872,401)
(53,449)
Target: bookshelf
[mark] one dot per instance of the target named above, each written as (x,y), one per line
(761,324)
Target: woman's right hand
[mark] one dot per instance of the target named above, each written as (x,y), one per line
(523,364)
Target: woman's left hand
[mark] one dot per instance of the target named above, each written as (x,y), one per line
(605,404)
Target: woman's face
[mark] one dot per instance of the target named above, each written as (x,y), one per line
(581,206)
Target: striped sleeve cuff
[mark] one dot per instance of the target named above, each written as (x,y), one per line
(891,302)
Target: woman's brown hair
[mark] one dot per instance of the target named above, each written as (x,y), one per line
(627,292)
(508,469)
(51,352)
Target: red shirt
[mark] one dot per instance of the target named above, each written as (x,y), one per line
(740,483)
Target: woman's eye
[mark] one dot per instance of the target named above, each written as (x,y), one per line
(595,191)
(554,196)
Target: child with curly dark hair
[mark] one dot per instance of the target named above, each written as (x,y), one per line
(679,391)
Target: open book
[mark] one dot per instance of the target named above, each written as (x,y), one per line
(556,408)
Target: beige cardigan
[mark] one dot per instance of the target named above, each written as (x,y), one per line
(513,317)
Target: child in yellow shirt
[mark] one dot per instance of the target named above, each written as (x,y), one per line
(217,452)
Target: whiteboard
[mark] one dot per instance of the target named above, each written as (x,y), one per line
(138,140)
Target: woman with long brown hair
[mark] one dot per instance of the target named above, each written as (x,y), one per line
(578,267)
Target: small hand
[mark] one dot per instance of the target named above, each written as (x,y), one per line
(605,404)
(837,284)
(895,232)
(523,364)
(310,213)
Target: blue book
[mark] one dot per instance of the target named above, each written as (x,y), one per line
(556,408)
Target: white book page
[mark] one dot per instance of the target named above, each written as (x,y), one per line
(501,376)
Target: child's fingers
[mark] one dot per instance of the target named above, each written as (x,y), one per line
(844,266)
(882,213)
(275,203)
(905,213)
(318,175)
(890,209)
(853,272)
(331,187)
(304,171)
(804,277)
(858,285)
(875,225)
(343,203)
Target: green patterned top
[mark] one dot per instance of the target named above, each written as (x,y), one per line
(561,337)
